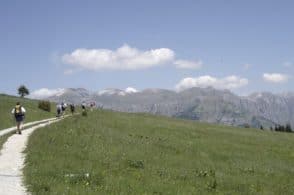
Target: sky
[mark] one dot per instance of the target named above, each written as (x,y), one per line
(243,46)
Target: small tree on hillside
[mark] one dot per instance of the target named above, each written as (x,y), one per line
(23,91)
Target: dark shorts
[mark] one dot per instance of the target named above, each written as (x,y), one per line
(19,118)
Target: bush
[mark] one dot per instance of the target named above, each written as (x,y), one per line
(45,105)
(246,125)
(84,113)
(283,128)
(137,164)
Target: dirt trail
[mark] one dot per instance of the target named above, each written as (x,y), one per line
(12,160)
(8,130)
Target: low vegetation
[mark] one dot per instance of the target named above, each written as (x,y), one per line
(117,153)
(283,128)
(44,105)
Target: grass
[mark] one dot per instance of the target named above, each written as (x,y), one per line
(33,113)
(117,153)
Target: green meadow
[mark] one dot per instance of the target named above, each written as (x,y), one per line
(109,152)
(7,103)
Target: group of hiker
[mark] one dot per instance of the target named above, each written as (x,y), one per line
(19,112)
(60,109)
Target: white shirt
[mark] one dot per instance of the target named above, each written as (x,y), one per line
(23,110)
(58,106)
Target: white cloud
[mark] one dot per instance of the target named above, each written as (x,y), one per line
(124,58)
(131,90)
(230,82)
(44,93)
(185,64)
(275,77)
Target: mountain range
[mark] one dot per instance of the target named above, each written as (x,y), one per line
(202,104)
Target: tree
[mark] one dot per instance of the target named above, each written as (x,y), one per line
(23,91)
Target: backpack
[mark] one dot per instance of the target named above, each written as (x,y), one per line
(18,111)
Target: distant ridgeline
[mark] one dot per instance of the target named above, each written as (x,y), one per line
(203,104)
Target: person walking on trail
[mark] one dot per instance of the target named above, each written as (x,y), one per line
(72,108)
(19,114)
(84,112)
(58,110)
(92,105)
(83,106)
(63,106)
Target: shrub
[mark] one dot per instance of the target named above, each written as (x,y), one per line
(45,105)
(84,113)
(137,164)
(246,125)
(283,128)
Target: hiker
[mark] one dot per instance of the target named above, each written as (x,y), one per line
(72,108)
(91,106)
(83,106)
(84,112)
(58,110)
(19,114)
(63,108)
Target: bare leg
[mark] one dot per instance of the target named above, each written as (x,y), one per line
(17,127)
(20,127)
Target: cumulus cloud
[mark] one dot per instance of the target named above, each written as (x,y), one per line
(44,93)
(275,77)
(185,64)
(230,82)
(124,58)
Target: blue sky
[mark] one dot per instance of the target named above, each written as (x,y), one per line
(244,46)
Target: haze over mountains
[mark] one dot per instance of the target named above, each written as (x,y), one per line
(203,104)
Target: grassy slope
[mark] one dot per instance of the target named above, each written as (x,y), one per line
(7,103)
(143,154)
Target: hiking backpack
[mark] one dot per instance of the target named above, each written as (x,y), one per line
(18,110)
